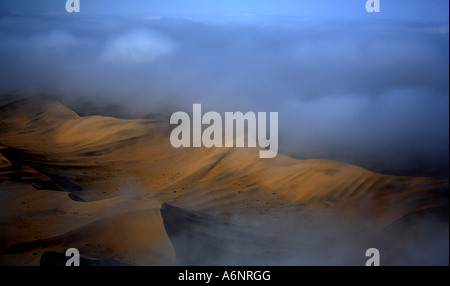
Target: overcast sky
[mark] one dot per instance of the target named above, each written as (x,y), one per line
(369,89)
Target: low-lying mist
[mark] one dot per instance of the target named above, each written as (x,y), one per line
(305,238)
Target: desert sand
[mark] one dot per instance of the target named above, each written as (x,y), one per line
(119,192)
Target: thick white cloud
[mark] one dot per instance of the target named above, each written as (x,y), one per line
(137,47)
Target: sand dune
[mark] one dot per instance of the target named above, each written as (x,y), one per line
(97,183)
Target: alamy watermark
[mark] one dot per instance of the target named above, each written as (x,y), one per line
(374,255)
(373,6)
(212,135)
(74,255)
(73,6)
